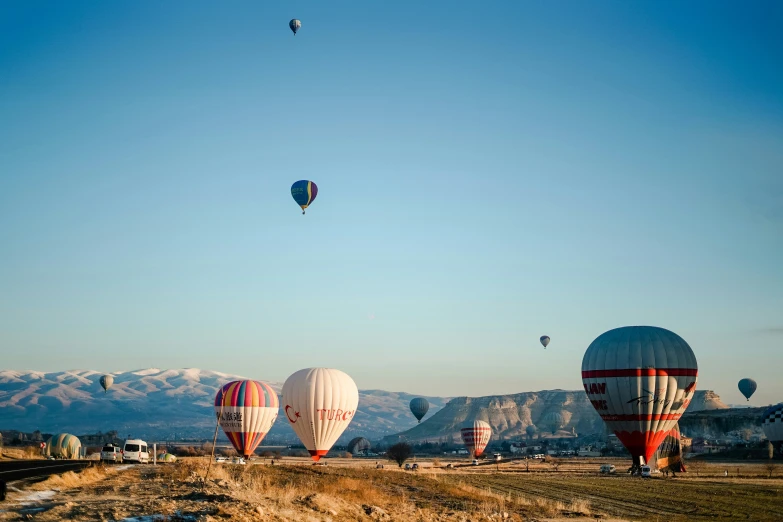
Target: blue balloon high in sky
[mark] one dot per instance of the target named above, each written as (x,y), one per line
(294,25)
(747,387)
(304,193)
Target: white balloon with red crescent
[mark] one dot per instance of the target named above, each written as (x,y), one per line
(475,435)
(640,379)
(319,404)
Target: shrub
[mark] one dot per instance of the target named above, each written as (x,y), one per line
(399,453)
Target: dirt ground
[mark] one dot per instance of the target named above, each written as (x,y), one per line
(354,490)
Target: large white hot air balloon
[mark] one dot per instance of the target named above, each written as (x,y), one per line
(640,379)
(319,403)
(475,435)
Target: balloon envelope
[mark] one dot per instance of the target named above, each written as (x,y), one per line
(304,193)
(475,435)
(63,445)
(544,340)
(531,430)
(640,379)
(419,407)
(106,382)
(319,403)
(552,421)
(747,387)
(357,445)
(772,422)
(246,411)
(294,25)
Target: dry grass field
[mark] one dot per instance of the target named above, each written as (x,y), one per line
(352,489)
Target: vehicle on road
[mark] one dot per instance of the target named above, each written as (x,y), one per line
(646,472)
(218,460)
(135,450)
(608,468)
(498,457)
(407,466)
(475,462)
(415,467)
(111,453)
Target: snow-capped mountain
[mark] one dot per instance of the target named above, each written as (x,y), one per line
(162,404)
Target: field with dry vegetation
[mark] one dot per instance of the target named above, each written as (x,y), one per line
(352,489)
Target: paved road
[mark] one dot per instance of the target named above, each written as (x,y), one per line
(24,469)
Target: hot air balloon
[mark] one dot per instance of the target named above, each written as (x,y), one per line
(475,435)
(747,387)
(106,382)
(772,423)
(552,421)
(167,457)
(319,403)
(295,25)
(63,446)
(640,379)
(544,340)
(358,445)
(419,407)
(304,193)
(668,456)
(531,430)
(246,411)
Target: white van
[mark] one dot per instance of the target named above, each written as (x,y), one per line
(646,472)
(608,468)
(135,450)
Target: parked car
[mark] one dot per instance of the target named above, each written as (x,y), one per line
(111,453)
(608,468)
(498,457)
(219,459)
(646,472)
(135,450)
(475,462)
(238,460)
(415,466)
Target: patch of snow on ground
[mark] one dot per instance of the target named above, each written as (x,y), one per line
(38,496)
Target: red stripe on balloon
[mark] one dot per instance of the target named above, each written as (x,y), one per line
(641,372)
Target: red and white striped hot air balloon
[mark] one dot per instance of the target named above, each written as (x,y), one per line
(640,379)
(246,411)
(475,435)
(319,404)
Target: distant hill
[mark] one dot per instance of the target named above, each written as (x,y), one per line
(162,404)
(177,404)
(510,415)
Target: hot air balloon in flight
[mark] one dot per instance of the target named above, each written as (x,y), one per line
(475,435)
(419,407)
(106,382)
(531,430)
(246,411)
(544,340)
(319,403)
(552,421)
(747,387)
(772,423)
(304,193)
(640,379)
(295,25)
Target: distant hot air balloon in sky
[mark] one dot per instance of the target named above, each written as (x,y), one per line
(319,403)
(295,25)
(640,379)
(304,193)
(552,421)
(106,382)
(246,411)
(544,340)
(772,423)
(531,430)
(747,387)
(419,407)
(475,435)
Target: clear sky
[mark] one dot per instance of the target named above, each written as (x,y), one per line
(488,172)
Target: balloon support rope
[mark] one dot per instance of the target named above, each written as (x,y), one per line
(214,440)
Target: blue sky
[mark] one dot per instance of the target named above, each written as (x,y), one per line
(488,173)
